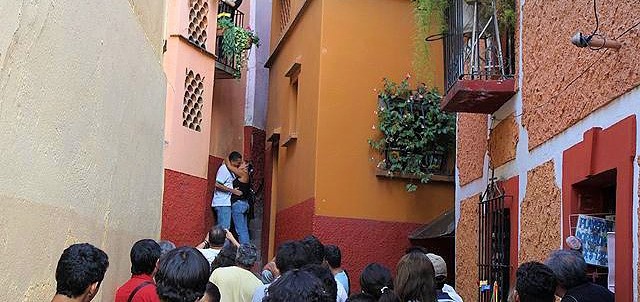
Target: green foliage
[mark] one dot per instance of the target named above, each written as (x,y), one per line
(506,10)
(236,42)
(412,127)
(426,14)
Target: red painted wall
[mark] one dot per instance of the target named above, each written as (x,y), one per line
(294,222)
(600,151)
(362,241)
(184,208)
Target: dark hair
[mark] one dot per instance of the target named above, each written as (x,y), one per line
(182,275)
(415,278)
(217,235)
(376,281)
(246,255)
(80,265)
(212,292)
(144,255)
(315,248)
(165,246)
(235,155)
(440,281)
(535,282)
(569,268)
(324,274)
(291,255)
(226,257)
(361,297)
(333,256)
(297,285)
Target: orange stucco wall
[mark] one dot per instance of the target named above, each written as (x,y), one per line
(350,71)
(227,117)
(296,165)
(331,160)
(227,112)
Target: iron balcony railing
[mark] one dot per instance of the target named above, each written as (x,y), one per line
(228,64)
(476,46)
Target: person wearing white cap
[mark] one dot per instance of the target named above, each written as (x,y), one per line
(446,293)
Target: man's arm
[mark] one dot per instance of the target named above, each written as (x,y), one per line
(224,188)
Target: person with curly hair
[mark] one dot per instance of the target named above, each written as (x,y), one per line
(80,271)
(182,275)
(535,282)
(297,285)
(237,283)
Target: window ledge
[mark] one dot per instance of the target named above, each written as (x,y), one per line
(435,177)
(292,138)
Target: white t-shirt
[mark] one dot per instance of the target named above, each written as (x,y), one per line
(452,293)
(222,198)
(210,254)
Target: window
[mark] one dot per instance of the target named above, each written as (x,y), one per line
(597,203)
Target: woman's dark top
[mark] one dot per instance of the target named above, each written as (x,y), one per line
(588,292)
(245,188)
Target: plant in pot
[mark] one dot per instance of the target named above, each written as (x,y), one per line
(236,42)
(415,135)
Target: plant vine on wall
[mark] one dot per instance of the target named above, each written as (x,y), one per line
(428,15)
(416,136)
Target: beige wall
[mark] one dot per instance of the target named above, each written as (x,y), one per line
(82,97)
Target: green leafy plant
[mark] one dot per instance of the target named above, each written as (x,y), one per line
(506,10)
(236,42)
(415,134)
(428,15)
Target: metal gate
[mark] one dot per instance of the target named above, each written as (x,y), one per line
(493,245)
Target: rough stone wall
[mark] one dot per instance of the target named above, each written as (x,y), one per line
(540,215)
(472,146)
(550,63)
(82,114)
(503,141)
(467,249)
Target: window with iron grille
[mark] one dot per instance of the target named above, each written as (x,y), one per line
(493,244)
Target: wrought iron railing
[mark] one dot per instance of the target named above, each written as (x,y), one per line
(476,47)
(493,244)
(238,20)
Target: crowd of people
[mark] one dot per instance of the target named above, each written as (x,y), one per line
(223,269)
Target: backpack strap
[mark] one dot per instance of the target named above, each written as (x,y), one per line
(138,288)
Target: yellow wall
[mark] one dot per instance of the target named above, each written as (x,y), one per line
(364,41)
(296,164)
(344,57)
(82,97)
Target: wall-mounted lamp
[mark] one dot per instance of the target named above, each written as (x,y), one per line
(594,41)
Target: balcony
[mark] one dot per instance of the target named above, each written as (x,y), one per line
(479,58)
(226,68)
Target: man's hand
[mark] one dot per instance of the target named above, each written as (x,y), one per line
(236,192)
(231,238)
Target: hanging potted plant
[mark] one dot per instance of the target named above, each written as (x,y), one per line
(416,136)
(236,41)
